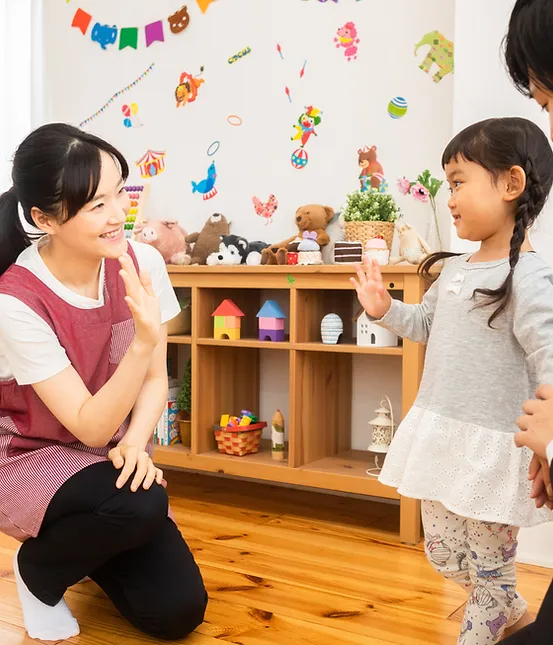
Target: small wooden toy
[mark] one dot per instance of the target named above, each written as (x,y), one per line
(138,196)
(224,419)
(370,334)
(226,323)
(277,436)
(332,328)
(271,322)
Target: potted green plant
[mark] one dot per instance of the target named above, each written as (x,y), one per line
(368,214)
(184,404)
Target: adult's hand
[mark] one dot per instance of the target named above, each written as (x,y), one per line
(129,459)
(142,302)
(539,475)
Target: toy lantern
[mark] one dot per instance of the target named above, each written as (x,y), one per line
(382,433)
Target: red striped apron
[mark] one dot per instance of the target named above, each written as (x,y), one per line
(37,454)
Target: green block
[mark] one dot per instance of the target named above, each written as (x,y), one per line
(219,321)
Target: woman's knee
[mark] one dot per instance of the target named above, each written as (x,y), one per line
(143,507)
(179,617)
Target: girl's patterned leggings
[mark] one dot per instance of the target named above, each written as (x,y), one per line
(481,558)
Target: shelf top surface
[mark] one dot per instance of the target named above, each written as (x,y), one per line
(329,269)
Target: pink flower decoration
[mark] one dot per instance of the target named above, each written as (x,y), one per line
(404,186)
(420,193)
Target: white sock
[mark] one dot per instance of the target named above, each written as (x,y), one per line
(42,621)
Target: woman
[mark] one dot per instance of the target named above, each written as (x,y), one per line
(83,382)
(529,58)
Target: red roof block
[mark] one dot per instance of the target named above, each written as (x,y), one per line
(228,308)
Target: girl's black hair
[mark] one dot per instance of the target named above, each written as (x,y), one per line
(528,46)
(497,145)
(57,170)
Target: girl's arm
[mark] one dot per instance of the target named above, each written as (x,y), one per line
(532,302)
(408,321)
(533,321)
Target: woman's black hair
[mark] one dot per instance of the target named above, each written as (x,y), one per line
(56,169)
(497,145)
(528,46)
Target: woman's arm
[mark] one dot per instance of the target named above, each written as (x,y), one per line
(130,453)
(94,419)
(151,399)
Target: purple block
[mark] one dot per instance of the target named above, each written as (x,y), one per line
(275,335)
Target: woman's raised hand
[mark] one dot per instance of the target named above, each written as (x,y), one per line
(142,301)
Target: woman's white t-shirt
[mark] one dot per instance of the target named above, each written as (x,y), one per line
(29,350)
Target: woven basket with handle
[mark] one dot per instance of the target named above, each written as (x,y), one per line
(239,440)
(365,231)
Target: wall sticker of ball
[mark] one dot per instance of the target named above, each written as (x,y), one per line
(397,107)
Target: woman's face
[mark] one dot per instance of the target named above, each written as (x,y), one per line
(97,230)
(544,98)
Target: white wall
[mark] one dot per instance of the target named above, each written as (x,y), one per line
(254,159)
(482,89)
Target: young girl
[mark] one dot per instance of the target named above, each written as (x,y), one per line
(488,324)
(83,382)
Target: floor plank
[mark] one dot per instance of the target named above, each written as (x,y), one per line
(283,566)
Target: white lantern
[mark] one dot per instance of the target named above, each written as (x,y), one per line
(382,433)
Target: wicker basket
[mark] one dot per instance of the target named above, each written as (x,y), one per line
(239,440)
(365,231)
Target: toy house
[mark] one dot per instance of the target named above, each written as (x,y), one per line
(370,334)
(271,322)
(226,321)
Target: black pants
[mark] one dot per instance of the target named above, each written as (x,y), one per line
(125,542)
(539,632)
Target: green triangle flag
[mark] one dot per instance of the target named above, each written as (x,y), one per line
(128,37)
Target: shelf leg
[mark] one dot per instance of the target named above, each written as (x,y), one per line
(410,520)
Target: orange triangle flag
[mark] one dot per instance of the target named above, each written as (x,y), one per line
(204,4)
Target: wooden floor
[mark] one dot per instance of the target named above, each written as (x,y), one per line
(284,567)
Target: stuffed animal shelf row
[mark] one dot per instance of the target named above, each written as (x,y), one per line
(227,319)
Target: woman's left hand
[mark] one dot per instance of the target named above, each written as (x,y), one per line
(130,459)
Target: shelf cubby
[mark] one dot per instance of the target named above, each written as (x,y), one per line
(313,384)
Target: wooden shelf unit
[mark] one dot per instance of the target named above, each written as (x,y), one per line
(225,376)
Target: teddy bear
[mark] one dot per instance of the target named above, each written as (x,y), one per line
(371,169)
(412,247)
(311,217)
(167,236)
(234,250)
(208,239)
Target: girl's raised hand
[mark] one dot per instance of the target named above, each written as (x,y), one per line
(142,302)
(371,292)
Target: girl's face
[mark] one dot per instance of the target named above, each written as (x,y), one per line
(97,230)
(544,98)
(481,207)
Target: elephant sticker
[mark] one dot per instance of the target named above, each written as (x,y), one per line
(440,53)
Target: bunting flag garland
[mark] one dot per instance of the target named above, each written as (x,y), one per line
(116,95)
(106,34)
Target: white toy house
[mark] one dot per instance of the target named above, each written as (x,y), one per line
(370,334)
